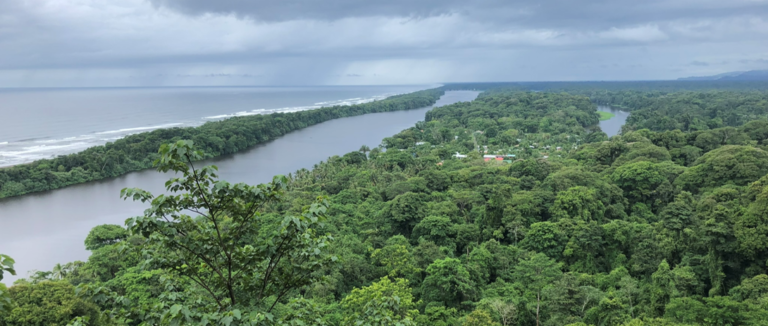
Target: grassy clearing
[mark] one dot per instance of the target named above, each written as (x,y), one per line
(605,115)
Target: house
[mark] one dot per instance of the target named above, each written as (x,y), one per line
(493,157)
(559,148)
(420,143)
(457,155)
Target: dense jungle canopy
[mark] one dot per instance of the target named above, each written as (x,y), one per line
(513,209)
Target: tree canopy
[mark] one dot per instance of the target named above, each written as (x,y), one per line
(540,220)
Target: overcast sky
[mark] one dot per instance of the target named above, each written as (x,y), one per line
(310,42)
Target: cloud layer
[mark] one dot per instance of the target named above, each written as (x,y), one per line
(237,42)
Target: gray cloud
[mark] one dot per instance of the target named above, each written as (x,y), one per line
(535,13)
(88,42)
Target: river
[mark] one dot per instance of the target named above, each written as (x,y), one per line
(612,126)
(42,123)
(42,229)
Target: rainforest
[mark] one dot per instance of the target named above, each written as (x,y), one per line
(512,209)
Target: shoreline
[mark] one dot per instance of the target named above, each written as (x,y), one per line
(605,115)
(231,135)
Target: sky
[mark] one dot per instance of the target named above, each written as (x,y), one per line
(71,43)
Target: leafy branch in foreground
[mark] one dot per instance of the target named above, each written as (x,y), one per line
(229,263)
(6,265)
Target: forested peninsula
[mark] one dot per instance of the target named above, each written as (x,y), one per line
(137,152)
(512,209)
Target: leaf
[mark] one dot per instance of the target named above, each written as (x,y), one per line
(175,309)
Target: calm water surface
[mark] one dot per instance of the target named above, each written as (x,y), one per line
(42,229)
(612,126)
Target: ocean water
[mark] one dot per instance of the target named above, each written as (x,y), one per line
(45,123)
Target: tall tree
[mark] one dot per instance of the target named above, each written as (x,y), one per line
(578,203)
(448,282)
(662,289)
(536,273)
(235,259)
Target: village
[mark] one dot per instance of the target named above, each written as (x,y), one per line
(526,147)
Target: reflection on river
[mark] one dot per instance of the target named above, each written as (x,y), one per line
(40,230)
(612,126)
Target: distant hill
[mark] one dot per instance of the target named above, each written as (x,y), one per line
(751,75)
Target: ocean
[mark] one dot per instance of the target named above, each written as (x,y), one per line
(40,123)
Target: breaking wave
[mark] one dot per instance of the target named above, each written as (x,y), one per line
(351,101)
(28,150)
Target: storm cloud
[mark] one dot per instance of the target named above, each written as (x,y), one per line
(228,42)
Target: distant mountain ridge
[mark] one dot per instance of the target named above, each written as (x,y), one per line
(734,75)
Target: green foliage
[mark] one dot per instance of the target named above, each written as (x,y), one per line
(302,312)
(535,274)
(437,229)
(479,318)
(545,238)
(382,303)
(578,203)
(48,304)
(751,289)
(230,255)
(407,210)
(396,257)
(103,235)
(605,115)
(6,265)
(738,165)
(664,224)
(448,282)
(641,180)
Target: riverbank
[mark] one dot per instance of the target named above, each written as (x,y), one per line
(49,227)
(137,152)
(612,126)
(605,115)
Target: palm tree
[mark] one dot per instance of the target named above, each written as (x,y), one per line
(58,272)
(364,149)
